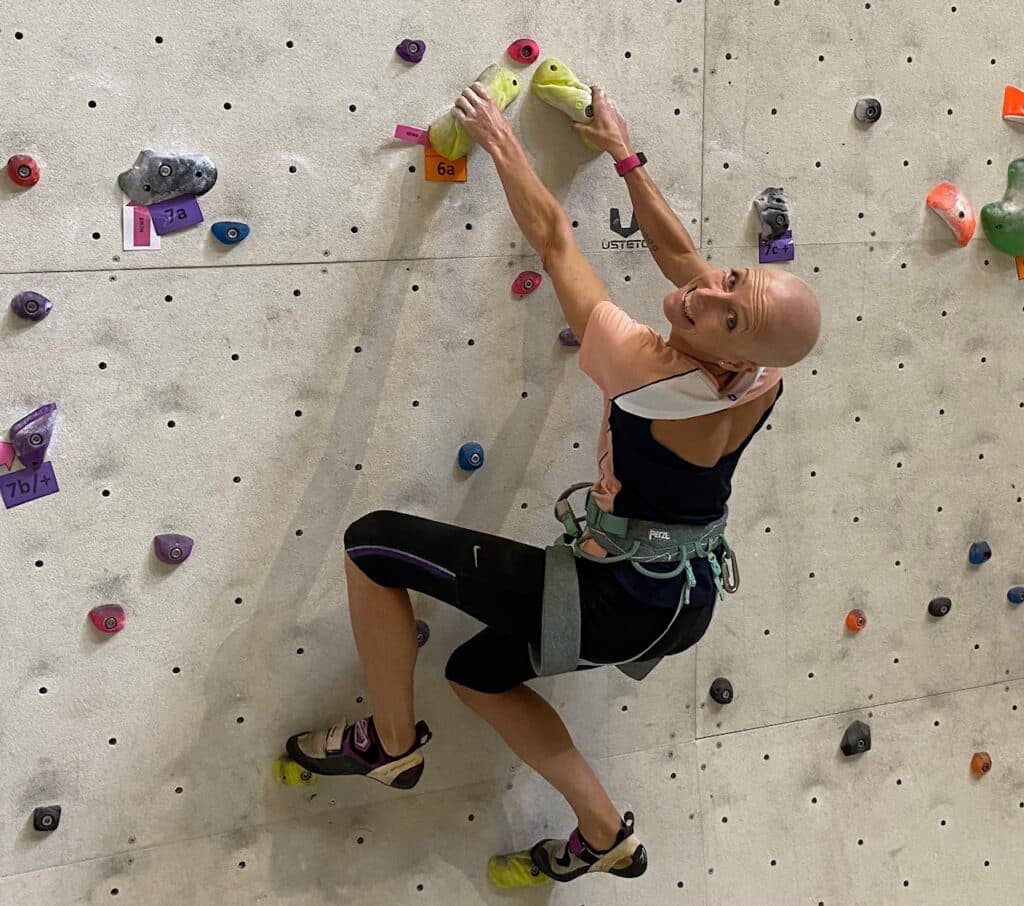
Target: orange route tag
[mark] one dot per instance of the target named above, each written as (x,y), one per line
(1020,268)
(440,169)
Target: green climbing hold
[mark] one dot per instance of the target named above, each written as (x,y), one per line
(451,140)
(1003,221)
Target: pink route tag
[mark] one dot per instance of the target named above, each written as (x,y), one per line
(141,222)
(412,135)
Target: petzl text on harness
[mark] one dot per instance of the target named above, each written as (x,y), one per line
(635,540)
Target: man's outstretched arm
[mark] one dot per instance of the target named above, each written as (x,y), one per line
(667,238)
(541,218)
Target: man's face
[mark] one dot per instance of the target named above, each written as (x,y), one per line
(712,313)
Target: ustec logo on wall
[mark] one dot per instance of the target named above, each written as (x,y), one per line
(615,225)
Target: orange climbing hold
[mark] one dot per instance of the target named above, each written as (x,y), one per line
(952,206)
(856,620)
(981,763)
(1013,104)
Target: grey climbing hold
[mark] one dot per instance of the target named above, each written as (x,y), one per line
(772,208)
(155,177)
(868,110)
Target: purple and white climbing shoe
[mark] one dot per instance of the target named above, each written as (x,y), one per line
(566,860)
(357,749)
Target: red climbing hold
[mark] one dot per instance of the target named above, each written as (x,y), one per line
(526,283)
(856,620)
(108,618)
(981,763)
(23,170)
(1013,104)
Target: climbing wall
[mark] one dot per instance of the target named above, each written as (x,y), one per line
(259,397)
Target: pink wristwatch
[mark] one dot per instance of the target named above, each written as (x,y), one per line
(627,164)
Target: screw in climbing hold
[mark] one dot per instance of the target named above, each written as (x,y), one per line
(1013,104)
(979,553)
(525,50)
(422,633)
(31,306)
(172,549)
(23,170)
(856,739)
(526,283)
(856,620)
(868,110)
(721,691)
(773,210)
(31,435)
(1003,221)
(939,607)
(229,232)
(568,339)
(1016,595)
(981,763)
(108,618)
(411,50)
(471,457)
(953,206)
(46,818)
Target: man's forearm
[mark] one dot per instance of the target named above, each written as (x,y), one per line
(535,209)
(663,230)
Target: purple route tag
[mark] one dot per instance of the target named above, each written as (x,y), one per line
(781,249)
(175,214)
(28,484)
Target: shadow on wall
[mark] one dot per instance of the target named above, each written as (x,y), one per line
(240,670)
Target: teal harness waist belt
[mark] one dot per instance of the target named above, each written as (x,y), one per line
(634,540)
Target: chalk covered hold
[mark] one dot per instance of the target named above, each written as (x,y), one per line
(450,139)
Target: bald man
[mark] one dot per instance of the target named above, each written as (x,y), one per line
(643,578)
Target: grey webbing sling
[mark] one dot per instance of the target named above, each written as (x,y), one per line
(633,540)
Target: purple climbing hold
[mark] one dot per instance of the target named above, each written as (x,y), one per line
(31,306)
(172,549)
(411,50)
(31,435)
(568,338)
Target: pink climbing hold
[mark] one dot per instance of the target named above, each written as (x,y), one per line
(108,618)
(525,50)
(526,283)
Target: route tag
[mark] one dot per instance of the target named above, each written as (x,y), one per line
(175,214)
(781,249)
(440,169)
(28,484)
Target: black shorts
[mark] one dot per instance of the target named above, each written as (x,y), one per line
(501,583)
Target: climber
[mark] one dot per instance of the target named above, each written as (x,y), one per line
(680,412)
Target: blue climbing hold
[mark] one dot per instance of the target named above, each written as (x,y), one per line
(980,553)
(471,457)
(230,232)
(1016,595)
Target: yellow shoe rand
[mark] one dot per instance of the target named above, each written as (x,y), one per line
(451,140)
(556,84)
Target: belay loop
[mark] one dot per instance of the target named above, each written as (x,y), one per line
(637,541)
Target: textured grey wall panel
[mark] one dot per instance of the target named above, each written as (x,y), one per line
(896,444)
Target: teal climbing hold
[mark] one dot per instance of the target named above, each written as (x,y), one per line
(230,232)
(1003,221)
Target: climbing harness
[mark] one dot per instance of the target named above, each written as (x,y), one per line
(637,541)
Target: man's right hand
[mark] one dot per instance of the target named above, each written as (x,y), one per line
(608,130)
